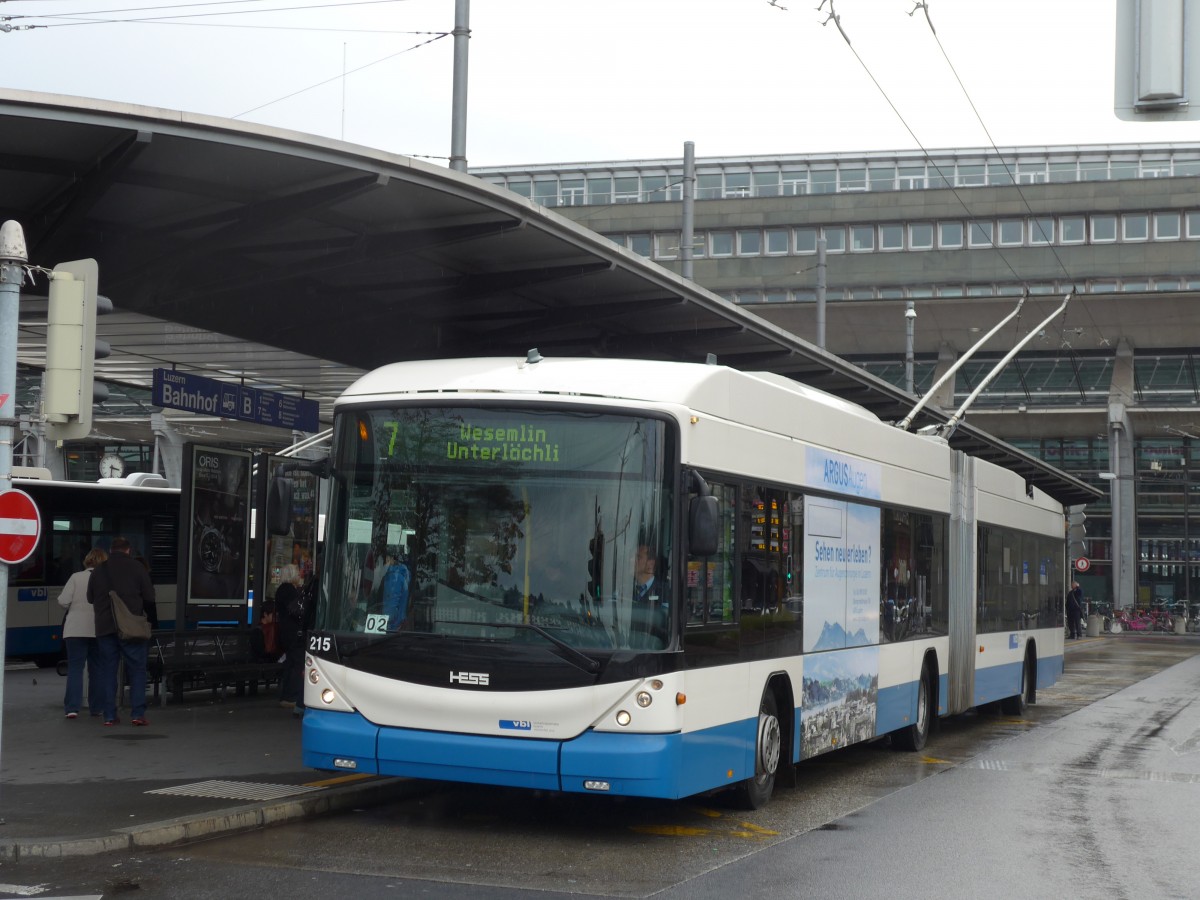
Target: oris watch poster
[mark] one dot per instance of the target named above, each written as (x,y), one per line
(218,530)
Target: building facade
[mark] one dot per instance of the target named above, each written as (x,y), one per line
(1106,387)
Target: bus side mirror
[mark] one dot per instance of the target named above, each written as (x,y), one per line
(279,506)
(704,521)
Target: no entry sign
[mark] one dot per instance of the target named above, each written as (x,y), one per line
(20,526)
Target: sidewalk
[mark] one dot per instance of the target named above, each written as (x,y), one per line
(71,787)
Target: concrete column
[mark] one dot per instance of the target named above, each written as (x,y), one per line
(1122,463)
(169,448)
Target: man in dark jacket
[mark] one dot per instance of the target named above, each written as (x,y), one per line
(131,582)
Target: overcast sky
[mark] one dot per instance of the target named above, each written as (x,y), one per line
(575,80)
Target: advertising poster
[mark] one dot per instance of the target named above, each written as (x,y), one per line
(841,698)
(291,556)
(219,539)
(841,574)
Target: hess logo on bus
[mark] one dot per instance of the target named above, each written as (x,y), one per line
(480,678)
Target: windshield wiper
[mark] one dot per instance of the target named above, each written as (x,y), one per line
(574,656)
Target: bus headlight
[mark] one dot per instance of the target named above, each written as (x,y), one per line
(644,699)
(624,718)
(328,696)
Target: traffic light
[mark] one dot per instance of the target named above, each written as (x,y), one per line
(72,348)
(1076,532)
(595,567)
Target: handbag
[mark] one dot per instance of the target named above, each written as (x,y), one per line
(130,626)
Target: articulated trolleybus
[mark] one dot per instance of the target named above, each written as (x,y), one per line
(657,579)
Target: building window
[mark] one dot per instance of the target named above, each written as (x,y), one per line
(823,182)
(981,234)
(737,184)
(835,240)
(521,186)
(1031,172)
(852,180)
(640,244)
(920,236)
(862,293)
(749,297)
(766,184)
(720,243)
(626,189)
(666,245)
(972,176)
(795,182)
(1011,232)
(1041,230)
(1135,227)
(749,242)
(572,192)
(950,235)
(775,296)
(1094,170)
(1193,225)
(654,188)
(1063,172)
(862,238)
(912,178)
(806,239)
(999,173)
(1166,226)
(708,187)
(1104,229)
(777,241)
(882,178)
(1122,170)
(891,237)
(599,190)
(1072,229)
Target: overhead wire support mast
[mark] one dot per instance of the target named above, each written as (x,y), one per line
(951,426)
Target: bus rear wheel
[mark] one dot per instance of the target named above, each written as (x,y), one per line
(1019,702)
(755,792)
(914,736)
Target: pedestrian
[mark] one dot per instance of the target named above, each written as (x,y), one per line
(129,579)
(1075,610)
(79,634)
(293,607)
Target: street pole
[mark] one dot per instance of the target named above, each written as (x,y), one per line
(458,112)
(821,292)
(910,323)
(688,233)
(13,258)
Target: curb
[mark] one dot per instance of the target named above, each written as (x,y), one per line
(218,822)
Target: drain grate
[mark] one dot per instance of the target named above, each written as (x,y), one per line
(237,790)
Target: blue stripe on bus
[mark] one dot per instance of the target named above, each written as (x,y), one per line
(998,682)
(896,707)
(33,640)
(634,765)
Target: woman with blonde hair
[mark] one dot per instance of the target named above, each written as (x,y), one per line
(79,634)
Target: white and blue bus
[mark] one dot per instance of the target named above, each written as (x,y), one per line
(819,578)
(77,516)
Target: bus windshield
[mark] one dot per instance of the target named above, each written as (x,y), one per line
(501,524)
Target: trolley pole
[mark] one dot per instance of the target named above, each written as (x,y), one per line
(13,257)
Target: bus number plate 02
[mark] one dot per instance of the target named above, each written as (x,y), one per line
(376,624)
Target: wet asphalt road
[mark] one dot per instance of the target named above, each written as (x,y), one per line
(1082,798)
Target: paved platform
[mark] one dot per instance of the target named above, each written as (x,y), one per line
(202,767)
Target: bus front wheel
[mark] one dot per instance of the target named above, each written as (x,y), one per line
(755,792)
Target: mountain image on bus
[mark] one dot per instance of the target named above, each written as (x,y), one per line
(658,579)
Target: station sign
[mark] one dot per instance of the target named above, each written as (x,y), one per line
(207,396)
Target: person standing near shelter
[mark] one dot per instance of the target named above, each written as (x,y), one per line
(131,582)
(1075,610)
(292,610)
(79,634)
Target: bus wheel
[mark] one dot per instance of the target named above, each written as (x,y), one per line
(914,736)
(1018,703)
(753,793)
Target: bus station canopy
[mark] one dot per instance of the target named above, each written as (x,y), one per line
(293,263)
